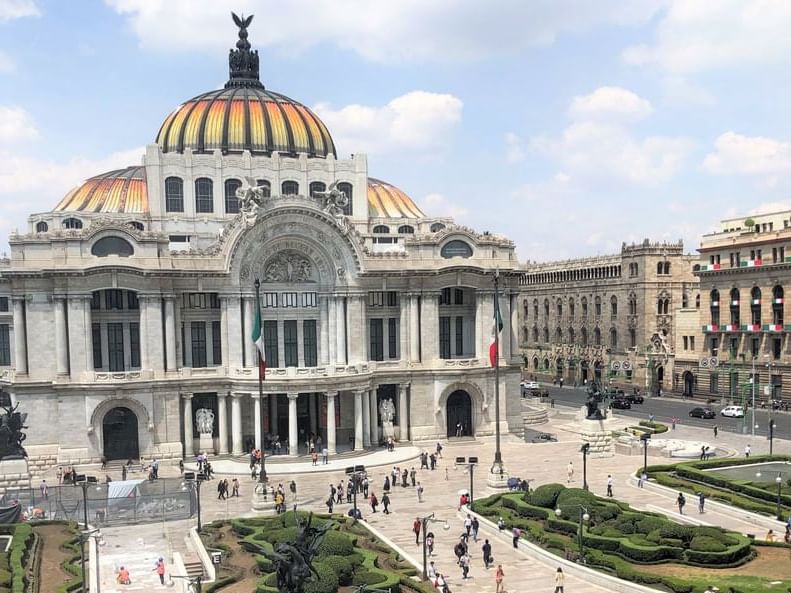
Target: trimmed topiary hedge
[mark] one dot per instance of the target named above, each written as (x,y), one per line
(545,496)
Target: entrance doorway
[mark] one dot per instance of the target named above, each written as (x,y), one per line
(660,377)
(459,410)
(689,383)
(584,368)
(119,429)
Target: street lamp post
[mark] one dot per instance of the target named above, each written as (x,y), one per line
(355,473)
(752,413)
(262,477)
(84,536)
(779,480)
(584,450)
(645,437)
(584,517)
(771,435)
(195,482)
(497,466)
(196,583)
(469,463)
(424,521)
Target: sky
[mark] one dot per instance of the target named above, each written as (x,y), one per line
(569,126)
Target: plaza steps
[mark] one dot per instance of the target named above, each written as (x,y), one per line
(193,566)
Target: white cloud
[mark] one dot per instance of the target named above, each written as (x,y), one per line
(439,205)
(697,35)
(15,9)
(408,30)
(513,148)
(736,154)
(7,63)
(418,120)
(610,103)
(15,124)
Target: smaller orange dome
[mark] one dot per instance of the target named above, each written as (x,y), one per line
(122,190)
(387,201)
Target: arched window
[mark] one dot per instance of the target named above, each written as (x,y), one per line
(666,268)
(778,304)
(135,224)
(267,187)
(289,188)
(697,301)
(584,302)
(632,338)
(525,335)
(42,227)
(112,246)
(546,335)
(735,307)
(597,307)
(715,307)
(571,308)
(559,336)
(597,337)
(535,308)
(72,223)
(666,307)
(684,300)
(535,363)
(560,308)
(571,335)
(755,306)
(437,227)
(546,307)
(204,195)
(526,308)
(659,267)
(231,201)
(613,338)
(174,194)
(614,307)
(535,334)
(347,189)
(405,229)
(381,229)
(456,248)
(583,337)
(316,187)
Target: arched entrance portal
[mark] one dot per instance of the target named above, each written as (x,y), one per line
(689,383)
(119,429)
(459,409)
(660,377)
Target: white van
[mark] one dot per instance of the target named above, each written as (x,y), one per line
(733,411)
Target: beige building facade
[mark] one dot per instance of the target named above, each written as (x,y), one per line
(608,318)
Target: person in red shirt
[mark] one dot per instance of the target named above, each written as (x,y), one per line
(416,528)
(160,568)
(123,577)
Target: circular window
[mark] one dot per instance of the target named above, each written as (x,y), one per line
(112,246)
(456,248)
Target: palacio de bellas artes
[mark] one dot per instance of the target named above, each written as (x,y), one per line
(355,344)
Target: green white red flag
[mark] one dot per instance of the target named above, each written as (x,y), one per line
(497,330)
(258,340)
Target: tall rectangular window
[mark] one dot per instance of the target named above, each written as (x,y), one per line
(777,348)
(3,304)
(754,346)
(715,343)
(5,346)
(204,195)
(96,339)
(115,346)
(376,332)
(216,343)
(713,383)
(113,299)
(392,338)
(134,345)
(459,336)
(444,337)
(309,342)
(270,344)
(198,334)
(290,344)
(174,194)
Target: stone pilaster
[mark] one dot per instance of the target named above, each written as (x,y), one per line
(293,433)
(20,336)
(236,423)
(222,421)
(61,342)
(187,422)
(331,397)
(171,360)
(358,420)
(403,411)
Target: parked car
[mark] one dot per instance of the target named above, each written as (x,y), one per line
(635,398)
(530,384)
(733,411)
(705,413)
(621,403)
(544,437)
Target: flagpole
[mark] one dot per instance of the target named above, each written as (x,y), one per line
(497,466)
(262,478)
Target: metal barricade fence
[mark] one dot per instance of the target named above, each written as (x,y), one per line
(116,503)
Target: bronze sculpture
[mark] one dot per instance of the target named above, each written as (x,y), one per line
(11,435)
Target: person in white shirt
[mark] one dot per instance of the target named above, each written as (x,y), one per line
(570,472)
(431,571)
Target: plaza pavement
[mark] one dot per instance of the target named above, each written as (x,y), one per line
(541,463)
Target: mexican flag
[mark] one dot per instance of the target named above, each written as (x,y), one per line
(258,340)
(497,330)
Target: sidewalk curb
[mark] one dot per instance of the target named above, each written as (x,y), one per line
(381,536)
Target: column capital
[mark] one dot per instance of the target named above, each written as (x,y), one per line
(360,392)
(403,386)
(292,395)
(186,396)
(230,297)
(222,394)
(169,296)
(238,394)
(331,394)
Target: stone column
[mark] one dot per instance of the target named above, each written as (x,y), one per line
(80,335)
(340,330)
(331,396)
(257,419)
(480,351)
(313,410)
(366,419)
(358,420)
(61,345)
(151,354)
(236,423)
(293,433)
(332,324)
(273,414)
(429,327)
(485,311)
(188,446)
(414,329)
(222,422)
(324,333)
(403,328)
(20,336)
(170,333)
(514,308)
(356,322)
(233,304)
(403,411)
(374,419)
(247,331)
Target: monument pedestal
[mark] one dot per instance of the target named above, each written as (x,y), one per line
(206,443)
(497,481)
(598,433)
(14,475)
(262,501)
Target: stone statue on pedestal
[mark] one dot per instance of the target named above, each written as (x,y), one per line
(204,421)
(387,412)
(11,435)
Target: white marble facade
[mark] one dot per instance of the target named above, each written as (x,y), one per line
(150,311)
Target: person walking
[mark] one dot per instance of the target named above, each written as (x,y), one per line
(235,487)
(220,490)
(374,502)
(464,562)
(325,456)
(386,486)
(430,544)
(419,492)
(123,577)
(123,473)
(747,450)
(486,548)
(641,481)
(468,524)
(416,530)
(681,501)
(314,457)
(499,576)
(439,449)
(386,503)
(716,430)
(160,570)
(560,579)
(44,489)
(431,571)
(701,502)
(609,485)
(475,527)
(516,533)
(570,472)
(331,501)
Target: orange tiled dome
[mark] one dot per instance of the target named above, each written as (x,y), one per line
(122,190)
(241,118)
(387,201)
